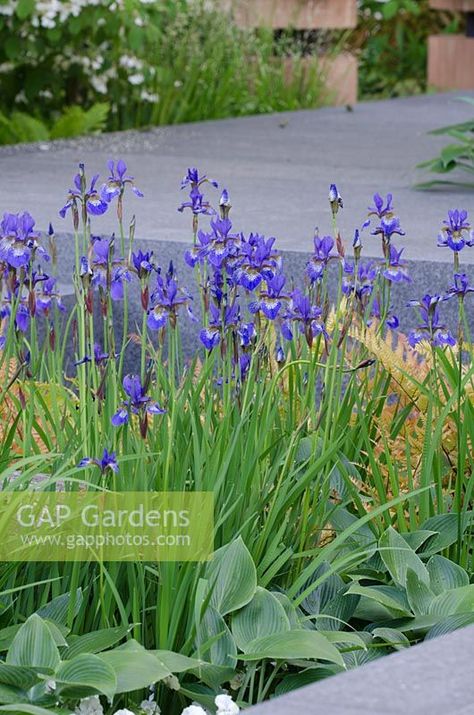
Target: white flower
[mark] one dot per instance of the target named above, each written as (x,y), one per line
(50,686)
(225,705)
(89,706)
(194,710)
(124,711)
(171,682)
(137,78)
(149,707)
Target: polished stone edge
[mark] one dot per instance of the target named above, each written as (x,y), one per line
(434,677)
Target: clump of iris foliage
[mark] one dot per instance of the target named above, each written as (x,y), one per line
(132,64)
(339,452)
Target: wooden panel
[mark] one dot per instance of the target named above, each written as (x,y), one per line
(340,76)
(300,14)
(459,5)
(451,62)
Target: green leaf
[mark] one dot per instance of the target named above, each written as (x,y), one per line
(96,641)
(305,677)
(398,557)
(232,577)
(392,637)
(419,595)
(18,675)
(449,624)
(175,662)
(57,610)
(264,615)
(446,528)
(457,600)
(392,601)
(25,8)
(86,671)
(294,645)
(10,695)
(214,641)
(134,666)
(34,646)
(445,574)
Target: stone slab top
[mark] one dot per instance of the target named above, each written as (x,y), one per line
(277,168)
(434,678)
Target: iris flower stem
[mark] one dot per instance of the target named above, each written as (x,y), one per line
(125,304)
(81,369)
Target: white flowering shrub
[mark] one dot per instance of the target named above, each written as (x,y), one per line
(144,62)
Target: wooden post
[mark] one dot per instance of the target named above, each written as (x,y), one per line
(451,57)
(341,72)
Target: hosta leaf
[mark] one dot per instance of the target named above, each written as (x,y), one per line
(175,662)
(294,645)
(18,675)
(415,539)
(214,641)
(34,646)
(86,671)
(57,610)
(18,708)
(134,666)
(323,592)
(232,577)
(264,615)
(457,600)
(10,694)
(392,637)
(419,594)
(306,677)
(445,574)
(449,624)
(392,600)
(290,610)
(446,528)
(95,641)
(398,557)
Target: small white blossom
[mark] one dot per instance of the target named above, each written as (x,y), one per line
(194,710)
(89,706)
(225,705)
(123,711)
(149,707)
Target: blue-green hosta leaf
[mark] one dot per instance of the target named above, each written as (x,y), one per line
(232,577)
(305,677)
(457,600)
(395,639)
(9,694)
(291,612)
(398,557)
(134,666)
(86,674)
(445,574)
(446,528)
(18,675)
(175,662)
(419,595)
(392,601)
(345,639)
(338,611)
(294,645)
(449,624)
(34,646)
(57,610)
(415,539)
(323,592)
(96,641)
(214,641)
(28,709)
(262,616)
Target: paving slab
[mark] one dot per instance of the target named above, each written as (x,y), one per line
(434,678)
(277,167)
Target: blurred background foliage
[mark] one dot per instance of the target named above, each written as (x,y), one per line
(71,67)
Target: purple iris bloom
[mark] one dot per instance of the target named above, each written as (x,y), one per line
(218,323)
(197,203)
(460,286)
(47,295)
(166,300)
(117,181)
(90,198)
(108,461)
(431,328)
(217,246)
(193,179)
(18,241)
(335,199)
(22,314)
(380,208)
(306,315)
(138,402)
(456,232)
(98,358)
(142,263)
(247,334)
(259,261)
(107,272)
(387,228)
(366,275)
(320,258)
(391,320)
(396,271)
(271,300)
